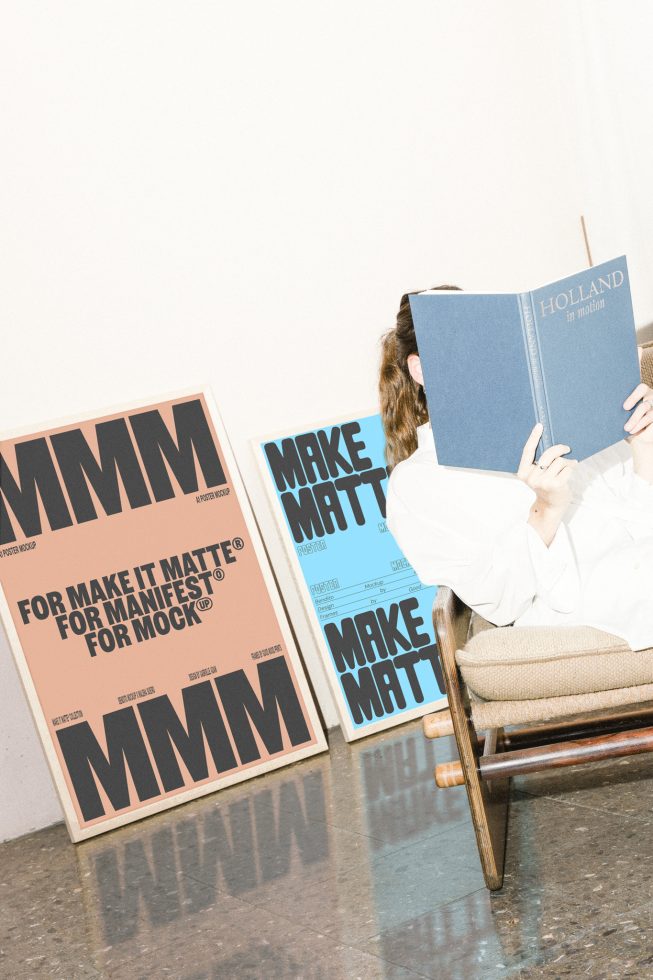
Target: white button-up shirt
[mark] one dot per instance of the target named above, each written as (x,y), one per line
(468,529)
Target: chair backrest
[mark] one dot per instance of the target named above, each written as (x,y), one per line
(646,366)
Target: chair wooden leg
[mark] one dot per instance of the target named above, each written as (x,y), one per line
(550,755)
(488,802)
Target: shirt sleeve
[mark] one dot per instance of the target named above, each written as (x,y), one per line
(640,491)
(608,483)
(472,534)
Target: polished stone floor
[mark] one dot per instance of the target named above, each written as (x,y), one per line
(345,865)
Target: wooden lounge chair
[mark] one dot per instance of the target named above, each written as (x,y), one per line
(523,699)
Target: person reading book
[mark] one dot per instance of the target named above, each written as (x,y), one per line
(558,542)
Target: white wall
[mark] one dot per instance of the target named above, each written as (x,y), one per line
(240,192)
(612,103)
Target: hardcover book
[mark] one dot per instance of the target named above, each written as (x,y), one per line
(495,364)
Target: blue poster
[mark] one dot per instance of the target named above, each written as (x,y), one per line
(371,614)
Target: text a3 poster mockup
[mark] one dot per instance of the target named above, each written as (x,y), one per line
(370,614)
(142,613)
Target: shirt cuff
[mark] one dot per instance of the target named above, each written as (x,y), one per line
(637,506)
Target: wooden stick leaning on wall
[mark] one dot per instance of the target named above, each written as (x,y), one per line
(586,240)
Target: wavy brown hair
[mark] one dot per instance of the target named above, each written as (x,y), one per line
(402,399)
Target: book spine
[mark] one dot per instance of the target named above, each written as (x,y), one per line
(535,368)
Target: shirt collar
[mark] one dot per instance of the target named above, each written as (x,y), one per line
(425,437)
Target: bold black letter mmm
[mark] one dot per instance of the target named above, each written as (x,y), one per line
(171,740)
(118,459)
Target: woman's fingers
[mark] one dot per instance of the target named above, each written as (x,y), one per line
(643,429)
(639,419)
(553,452)
(556,474)
(527,464)
(528,454)
(641,391)
(558,467)
(550,477)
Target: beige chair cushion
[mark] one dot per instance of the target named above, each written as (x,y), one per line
(517,663)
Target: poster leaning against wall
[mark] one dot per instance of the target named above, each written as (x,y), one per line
(143,614)
(370,615)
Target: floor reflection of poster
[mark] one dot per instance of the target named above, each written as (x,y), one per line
(143,614)
(229,886)
(370,614)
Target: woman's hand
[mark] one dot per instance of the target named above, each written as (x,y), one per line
(640,424)
(640,429)
(550,479)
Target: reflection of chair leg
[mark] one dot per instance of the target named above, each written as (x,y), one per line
(488,801)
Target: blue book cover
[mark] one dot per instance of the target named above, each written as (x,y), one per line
(494,364)
(371,615)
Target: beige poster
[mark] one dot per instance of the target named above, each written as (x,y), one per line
(143,614)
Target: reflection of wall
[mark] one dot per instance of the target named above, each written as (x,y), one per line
(262,960)
(442,936)
(429,832)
